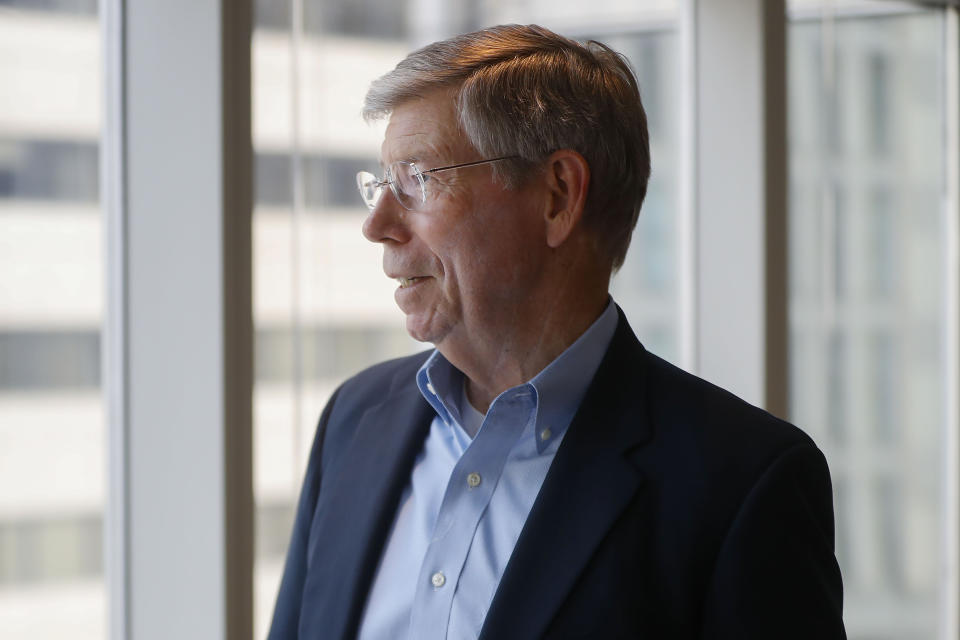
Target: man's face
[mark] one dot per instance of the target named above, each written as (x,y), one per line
(469,257)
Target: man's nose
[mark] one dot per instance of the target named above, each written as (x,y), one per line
(385,222)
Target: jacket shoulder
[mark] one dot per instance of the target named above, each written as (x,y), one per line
(696,410)
(709,447)
(718,465)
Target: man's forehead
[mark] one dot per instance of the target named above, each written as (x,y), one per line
(424,127)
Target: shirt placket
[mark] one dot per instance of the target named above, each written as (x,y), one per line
(471,485)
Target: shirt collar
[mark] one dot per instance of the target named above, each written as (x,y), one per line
(558,389)
(563,383)
(439,383)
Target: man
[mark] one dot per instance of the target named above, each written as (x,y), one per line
(540,474)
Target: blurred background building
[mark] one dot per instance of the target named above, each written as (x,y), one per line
(867,264)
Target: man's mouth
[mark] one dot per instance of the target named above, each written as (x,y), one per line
(407,282)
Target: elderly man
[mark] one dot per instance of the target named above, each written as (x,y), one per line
(539,474)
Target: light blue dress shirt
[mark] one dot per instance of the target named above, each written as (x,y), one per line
(468,497)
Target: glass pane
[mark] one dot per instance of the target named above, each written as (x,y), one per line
(646,287)
(867,289)
(51,419)
(323,308)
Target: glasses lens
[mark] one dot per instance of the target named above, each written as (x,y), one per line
(370,188)
(407,184)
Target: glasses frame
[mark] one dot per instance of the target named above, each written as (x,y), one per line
(364,181)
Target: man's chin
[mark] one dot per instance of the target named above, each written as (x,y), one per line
(422,330)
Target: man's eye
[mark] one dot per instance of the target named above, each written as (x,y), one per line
(407,183)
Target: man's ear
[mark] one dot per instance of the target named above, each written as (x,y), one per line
(567,177)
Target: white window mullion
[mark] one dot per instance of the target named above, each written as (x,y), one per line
(950,624)
(114,329)
(739,213)
(177,183)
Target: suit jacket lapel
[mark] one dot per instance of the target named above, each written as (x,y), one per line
(589,484)
(346,546)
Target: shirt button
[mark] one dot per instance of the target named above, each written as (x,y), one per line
(438,579)
(545,434)
(473,480)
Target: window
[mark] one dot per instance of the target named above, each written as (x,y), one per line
(866,305)
(867,317)
(51,416)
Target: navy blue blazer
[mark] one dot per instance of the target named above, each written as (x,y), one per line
(672,510)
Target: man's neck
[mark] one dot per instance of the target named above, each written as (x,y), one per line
(518,358)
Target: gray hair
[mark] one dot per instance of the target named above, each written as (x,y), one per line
(526,91)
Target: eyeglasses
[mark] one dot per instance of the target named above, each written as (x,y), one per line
(407,182)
